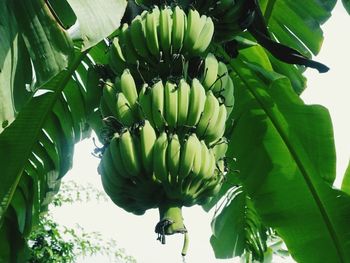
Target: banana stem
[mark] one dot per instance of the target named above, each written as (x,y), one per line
(171,221)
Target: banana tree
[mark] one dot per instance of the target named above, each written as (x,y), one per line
(51,62)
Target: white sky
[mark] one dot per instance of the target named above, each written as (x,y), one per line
(136,233)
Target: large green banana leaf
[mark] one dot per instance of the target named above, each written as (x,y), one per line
(309,16)
(286,158)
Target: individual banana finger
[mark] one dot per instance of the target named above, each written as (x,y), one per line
(116,57)
(171,104)
(209,116)
(160,158)
(210,71)
(158,105)
(148,138)
(205,37)
(124,112)
(151,32)
(145,103)
(195,24)
(216,129)
(188,153)
(222,79)
(165,27)
(128,87)
(183,102)
(197,102)
(178,30)
(130,153)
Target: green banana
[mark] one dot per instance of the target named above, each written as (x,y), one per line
(145,103)
(183,102)
(219,148)
(103,169)
(104,109)
(188,153)
(165,27)
(173,157)
(114,148)
(131,56)
(195,23)
(148,138)
(197,162)
(138,37)
(204,39)
(116,58)
(171,103)
(123,110)
(217,129)
(209,116)
(198,181)
(151,32)
(178,30)
(130,150)
(109,95)
(228,94)
(158,105)
(206,161)
(128,87)
(160,158)
(197,102)
(222,78)
(210,71)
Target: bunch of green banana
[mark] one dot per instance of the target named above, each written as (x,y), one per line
(156,42)
(170,99)
(229,16)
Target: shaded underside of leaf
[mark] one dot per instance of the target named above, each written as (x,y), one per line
(15,68)
(89,12)
(238,229)
(49,45)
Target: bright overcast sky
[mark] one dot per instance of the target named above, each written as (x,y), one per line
(136,233)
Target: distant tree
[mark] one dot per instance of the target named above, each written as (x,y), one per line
(50,242)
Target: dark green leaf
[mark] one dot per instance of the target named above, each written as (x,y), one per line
(346,4)
(296,23)
(63,12)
